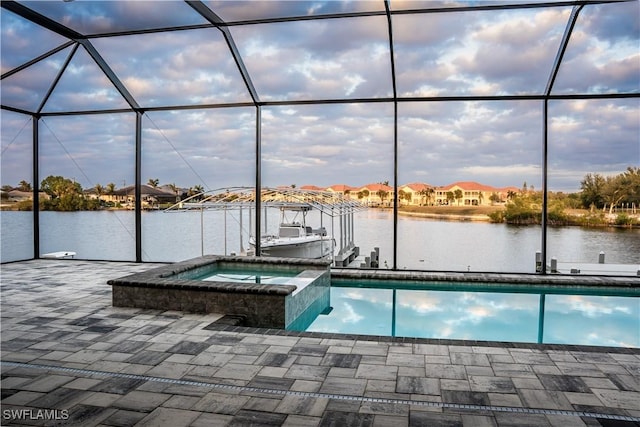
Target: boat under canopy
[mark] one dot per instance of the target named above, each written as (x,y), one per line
(295,238)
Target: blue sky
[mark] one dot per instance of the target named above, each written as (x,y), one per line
(487,53)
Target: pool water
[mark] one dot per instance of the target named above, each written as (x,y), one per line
(248,276)
(580,316)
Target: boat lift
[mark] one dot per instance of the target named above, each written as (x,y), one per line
(338,208)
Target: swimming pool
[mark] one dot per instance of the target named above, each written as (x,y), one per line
(603,316)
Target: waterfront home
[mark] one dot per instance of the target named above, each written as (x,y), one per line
(149,196)
(343,189)
(415,194)
(471,193)
(375,195)
(311,188)
(15,196)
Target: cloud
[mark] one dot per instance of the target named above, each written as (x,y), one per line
(350,316)
(496,143)
(318,59)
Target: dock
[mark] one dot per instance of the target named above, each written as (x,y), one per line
(372,260)
(600,268)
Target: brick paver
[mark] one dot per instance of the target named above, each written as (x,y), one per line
(67,350)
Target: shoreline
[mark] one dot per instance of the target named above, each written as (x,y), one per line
(447,217)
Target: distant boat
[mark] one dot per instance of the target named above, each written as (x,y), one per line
(296,239)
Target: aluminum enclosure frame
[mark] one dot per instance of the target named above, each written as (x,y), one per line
(77,39)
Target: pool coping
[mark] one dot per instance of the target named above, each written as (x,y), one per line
(225,324)
(165,276)
(474,277)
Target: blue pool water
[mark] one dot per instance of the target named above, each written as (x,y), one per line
(243,275)
(575,315)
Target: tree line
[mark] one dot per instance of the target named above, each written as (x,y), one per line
(64,194)
(610,200)
(598,195)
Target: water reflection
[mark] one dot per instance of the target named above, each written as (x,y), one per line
(490,316)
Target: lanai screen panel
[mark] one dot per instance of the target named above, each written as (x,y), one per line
(27,89)
(188,152)
(178,68)
(17,170)
(237,11)
(480,53)
(348,147)
(592,145)
(325,59)
(603,56)
(22,40)
(75,150)
(83,87)
(467,158)
(99,17)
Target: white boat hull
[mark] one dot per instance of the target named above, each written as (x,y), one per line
(312,247)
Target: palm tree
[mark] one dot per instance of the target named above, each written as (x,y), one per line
(24,186)
(382,194)
(450,197)
(458,195)
(198,189)
(174,188)
(430,192)
(494,198)
(423,195)
(153,182)
(99,190)
(401,196)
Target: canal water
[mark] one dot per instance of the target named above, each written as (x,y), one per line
(423,244)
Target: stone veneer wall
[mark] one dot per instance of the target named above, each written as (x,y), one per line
(317,291)
(267,306)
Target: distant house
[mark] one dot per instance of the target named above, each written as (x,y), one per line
(343,189)
(149,196)
(311,188)
(19,196)
(415,194)
(375,194)
(473,194)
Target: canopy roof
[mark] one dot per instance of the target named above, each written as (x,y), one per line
(171,55)
(327,202)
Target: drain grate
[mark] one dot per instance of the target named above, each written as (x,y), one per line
(364,399)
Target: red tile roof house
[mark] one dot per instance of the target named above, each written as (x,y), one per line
(375,195)
(473,194)
(416,194)
(345,190)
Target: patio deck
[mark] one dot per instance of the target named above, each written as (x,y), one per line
(68,354)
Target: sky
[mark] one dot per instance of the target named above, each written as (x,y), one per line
(482,53)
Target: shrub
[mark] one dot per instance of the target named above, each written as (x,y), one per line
(24,205)
(624,219)
(496,217)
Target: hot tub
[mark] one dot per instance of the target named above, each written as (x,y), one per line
(266,292)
